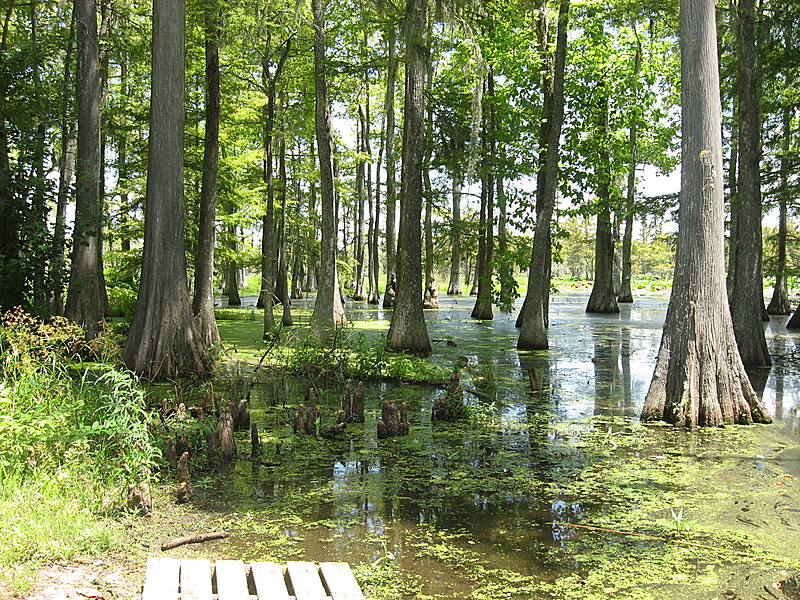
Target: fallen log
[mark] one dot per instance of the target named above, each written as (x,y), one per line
(193,539)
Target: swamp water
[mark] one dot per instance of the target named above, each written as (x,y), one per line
(487,508)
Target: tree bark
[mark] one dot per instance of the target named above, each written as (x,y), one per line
(359,253)
(269,247)
(203,302)
(454,288)
(505,271)
(12,280)
(747,291)
(483,303)
(232,275)
(603,299)
(625,292)
(39,209)
(85,296)
(163,339)
(310,283)
(779,304)
(408,331)
(699,377)
(66,169)
(282,280)
(328,310)
(533,319)
(391,163)
(374,227)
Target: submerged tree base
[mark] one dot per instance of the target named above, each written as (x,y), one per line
(701,385)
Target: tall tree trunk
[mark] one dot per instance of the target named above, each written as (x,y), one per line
(39,210)
(66,168)
(454,288)
(106,22)
(269,248)
(85,298)
(203,302)
(505,271)
(232,275)
(699,377)
(310,284)
(374,227)
(747,292)
(733,164)
(12,278)
(391,164)
(408,330)
(475,268)
(485,272)
(533,319)
(430,292)
(625,292)
(299,247)
(359,254)
(603,299)
(163,339)
(268,251)
(779,304)
(123,174)
(328,310)
(282,282)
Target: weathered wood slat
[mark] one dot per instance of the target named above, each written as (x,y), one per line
(270,581)
(231,580)
(196,579)
(305,580)
(340,581)
(162,578)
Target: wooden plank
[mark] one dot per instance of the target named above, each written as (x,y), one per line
(196,579)
(161,580)
(269,580)
(306,581)
(231,580)
(340,581)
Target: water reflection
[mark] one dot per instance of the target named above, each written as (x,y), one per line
(500,486)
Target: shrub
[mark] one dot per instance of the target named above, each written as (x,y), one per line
(54,410)
(121,302)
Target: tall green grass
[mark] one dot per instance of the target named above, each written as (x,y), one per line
(73,435)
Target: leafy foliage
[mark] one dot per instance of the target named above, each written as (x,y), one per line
(56,414)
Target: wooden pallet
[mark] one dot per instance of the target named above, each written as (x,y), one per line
(201,579)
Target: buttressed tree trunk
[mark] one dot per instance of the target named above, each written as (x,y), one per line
(85,297)
(747,289)
(328,310)
(699,377)
(407,330)
(163,339)
(203,301)
(533,317)
(603,299)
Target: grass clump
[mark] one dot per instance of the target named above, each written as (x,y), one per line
(73,435)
